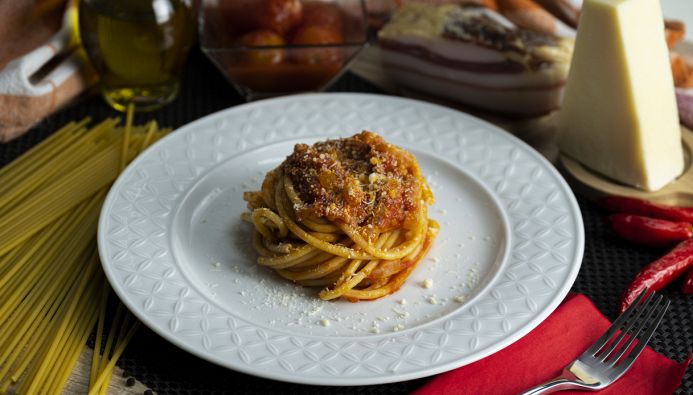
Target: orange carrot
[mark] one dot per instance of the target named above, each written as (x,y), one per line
(679,70)
(675,30)
(490,4)
(527,14)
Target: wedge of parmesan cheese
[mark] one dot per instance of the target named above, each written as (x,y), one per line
(619,114)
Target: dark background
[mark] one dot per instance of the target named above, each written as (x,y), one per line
(608,264)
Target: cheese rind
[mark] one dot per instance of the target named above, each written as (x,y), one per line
(619,113)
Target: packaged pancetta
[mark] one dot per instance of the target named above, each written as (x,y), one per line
(476,56)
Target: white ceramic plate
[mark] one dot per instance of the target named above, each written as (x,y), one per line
(177,254)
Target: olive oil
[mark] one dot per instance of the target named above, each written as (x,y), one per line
(138,47)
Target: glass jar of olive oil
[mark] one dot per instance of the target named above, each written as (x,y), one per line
(138,47)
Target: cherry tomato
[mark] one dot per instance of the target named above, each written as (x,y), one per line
(279,15)
(317,35)
(225,21)
(319,13)
(263,38)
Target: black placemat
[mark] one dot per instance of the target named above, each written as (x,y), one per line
(608,265)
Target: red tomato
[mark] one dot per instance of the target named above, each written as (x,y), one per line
(225,21)
(279,15)
(320,34)
(263,38)
(317,35)
(319,13)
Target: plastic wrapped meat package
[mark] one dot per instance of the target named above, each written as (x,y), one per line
(508,57)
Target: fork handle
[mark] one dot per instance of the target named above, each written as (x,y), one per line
(560,383)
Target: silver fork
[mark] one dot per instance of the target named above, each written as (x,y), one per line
(602,364)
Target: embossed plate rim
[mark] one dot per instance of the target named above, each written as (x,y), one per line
(279,358)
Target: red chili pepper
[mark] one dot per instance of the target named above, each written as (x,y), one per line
(647,208)
(650,231)
(687,286)
(661,272)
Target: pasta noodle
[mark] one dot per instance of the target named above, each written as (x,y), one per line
(52,289)
(348,215)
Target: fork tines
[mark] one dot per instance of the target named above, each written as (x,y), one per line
(636,324)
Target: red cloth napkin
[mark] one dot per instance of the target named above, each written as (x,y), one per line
(542,354)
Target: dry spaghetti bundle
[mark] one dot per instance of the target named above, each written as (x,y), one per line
(348,215)
(52,289)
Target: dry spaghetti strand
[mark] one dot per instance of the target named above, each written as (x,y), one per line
(52,289)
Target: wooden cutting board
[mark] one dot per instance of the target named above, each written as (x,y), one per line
(593,185)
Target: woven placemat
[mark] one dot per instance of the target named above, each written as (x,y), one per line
(608,265)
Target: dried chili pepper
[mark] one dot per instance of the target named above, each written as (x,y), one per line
(661,272)
(650,231)
(687,287)
(647,208)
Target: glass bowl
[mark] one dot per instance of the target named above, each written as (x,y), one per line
(265,51)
